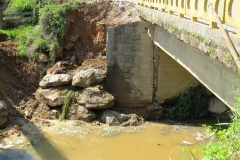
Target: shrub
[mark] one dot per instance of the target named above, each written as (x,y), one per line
(48,35)
(194,103)
(224,143)
(228,140)
(16,6)
(20,6)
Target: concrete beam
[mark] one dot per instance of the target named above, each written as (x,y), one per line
(214,75)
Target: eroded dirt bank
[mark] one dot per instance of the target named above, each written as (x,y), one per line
(84,47)
(34,92)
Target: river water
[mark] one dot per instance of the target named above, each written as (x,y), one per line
(74,140)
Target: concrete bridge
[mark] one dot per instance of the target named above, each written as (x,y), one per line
(185,48)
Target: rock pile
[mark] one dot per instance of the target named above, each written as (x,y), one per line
(89,95)
(56,84)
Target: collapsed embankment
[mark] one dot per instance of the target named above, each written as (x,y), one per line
(84,48)
(81,67)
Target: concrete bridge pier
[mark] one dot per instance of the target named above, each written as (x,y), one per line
(138,71)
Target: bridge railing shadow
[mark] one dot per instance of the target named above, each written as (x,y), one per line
(54,152)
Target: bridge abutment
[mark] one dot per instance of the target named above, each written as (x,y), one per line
(138,71)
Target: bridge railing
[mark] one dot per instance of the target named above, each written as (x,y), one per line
(228,10)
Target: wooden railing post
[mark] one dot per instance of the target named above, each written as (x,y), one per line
(1,18)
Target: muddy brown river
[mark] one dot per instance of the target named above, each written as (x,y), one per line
(81,141)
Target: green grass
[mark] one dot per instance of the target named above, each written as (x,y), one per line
(69,100)
(47,35)
(16,6)
(224,144)
(227,146)
(200,38)
(20,35)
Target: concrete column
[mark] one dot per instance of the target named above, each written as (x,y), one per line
(129,65)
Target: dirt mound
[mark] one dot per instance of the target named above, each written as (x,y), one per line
(84,44)
(86,32)
(93,64)
(18,80)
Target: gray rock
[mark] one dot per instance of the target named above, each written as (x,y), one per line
(84,78)
(73,59)
(53,80)
(216,106)
(50,97)
(43,58)
(78,112)
(99,75)
(3,114)
(154,111)
(112,121)
(95,98)
(88,77)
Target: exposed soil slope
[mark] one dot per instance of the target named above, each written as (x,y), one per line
(84,45)
(86,31)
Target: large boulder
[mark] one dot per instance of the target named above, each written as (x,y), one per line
(216,106)
(50,97)
(95,98)
(78,112)
(53,80)
(154,111)
(85,78)
(3,114)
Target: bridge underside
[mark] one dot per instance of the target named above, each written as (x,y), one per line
(139,73)
(214,75)
(193,52)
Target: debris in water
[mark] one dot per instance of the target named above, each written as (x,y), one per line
(186,143)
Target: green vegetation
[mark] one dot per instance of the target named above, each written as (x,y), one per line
(211,49)
(200,38)
(224,144)
(45,35)
(227,145)
(193,103)
(16,6)
(228,56)
(69,100)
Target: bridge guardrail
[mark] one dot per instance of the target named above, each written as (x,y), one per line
(228,10)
